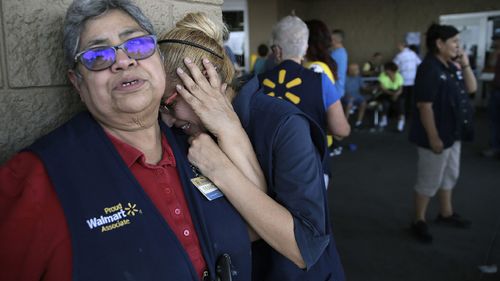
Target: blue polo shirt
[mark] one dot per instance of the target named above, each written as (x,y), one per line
(441,85)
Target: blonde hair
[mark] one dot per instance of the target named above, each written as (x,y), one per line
(196,37)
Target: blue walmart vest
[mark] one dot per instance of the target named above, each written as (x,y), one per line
(116,231)
(292,82)
(261,118)
(302,87)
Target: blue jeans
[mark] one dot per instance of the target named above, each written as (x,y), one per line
(494,108)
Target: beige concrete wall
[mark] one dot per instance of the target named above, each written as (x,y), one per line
(370,25)
(263,14)
(378,25)
(35,96)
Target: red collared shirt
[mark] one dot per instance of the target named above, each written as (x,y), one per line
(34,236)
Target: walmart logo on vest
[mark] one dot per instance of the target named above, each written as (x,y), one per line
(114,217)
(281,79)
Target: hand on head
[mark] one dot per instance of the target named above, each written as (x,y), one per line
(207,97)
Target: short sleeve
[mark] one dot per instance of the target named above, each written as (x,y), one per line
(299,186)
(331,94)
(384,81)
(426,83)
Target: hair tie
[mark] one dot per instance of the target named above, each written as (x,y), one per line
(190,44)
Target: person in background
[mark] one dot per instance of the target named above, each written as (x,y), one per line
(288,145)
(373,67)
(272,60)
(339,55)
(260,62)
(353,97)
(318,56)
(494,103)
(391,87)
(231,55)
(407,62)
(312,92)
(319,60)
(108,195)
(437,128)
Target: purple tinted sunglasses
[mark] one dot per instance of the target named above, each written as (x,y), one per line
(100,58)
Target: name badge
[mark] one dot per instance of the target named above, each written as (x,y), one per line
(207,188)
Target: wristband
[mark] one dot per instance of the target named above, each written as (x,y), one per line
(465,66)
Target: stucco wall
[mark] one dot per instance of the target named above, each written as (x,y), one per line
(35,96)
(370,25)
(378,25)
(262,15)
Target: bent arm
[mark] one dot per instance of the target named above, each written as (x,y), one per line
(259,210)
(337,123)
(469,79)
(298,199)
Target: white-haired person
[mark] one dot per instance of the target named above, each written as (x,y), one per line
(313,93)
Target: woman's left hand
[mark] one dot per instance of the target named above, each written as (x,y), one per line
(207,98)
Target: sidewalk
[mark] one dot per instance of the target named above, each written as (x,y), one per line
(371,205)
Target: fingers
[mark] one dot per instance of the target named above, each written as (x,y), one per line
(191,99)
(213,76)
(198,77)
(188,82)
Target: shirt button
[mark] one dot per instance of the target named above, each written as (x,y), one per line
(168,190)
(186,232)
(177,211)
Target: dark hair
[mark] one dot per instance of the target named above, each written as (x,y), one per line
(391,66)
(435,32)
(319,44)
(262,50)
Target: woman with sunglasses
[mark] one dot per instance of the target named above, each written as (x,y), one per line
(109,195)
(287,208)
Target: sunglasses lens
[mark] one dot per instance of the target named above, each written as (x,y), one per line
(140,47)
(103,57)
(98,58)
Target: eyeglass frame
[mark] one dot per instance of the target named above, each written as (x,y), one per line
(116,48)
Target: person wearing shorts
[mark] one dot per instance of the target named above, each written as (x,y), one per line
(353,87)
(442,78)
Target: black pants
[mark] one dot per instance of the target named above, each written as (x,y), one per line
(398,105)
(408,96)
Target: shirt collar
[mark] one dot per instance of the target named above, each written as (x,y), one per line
(131,155)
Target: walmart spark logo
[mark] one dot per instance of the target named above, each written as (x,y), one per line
(131,209)
(115,216)
(281,80)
